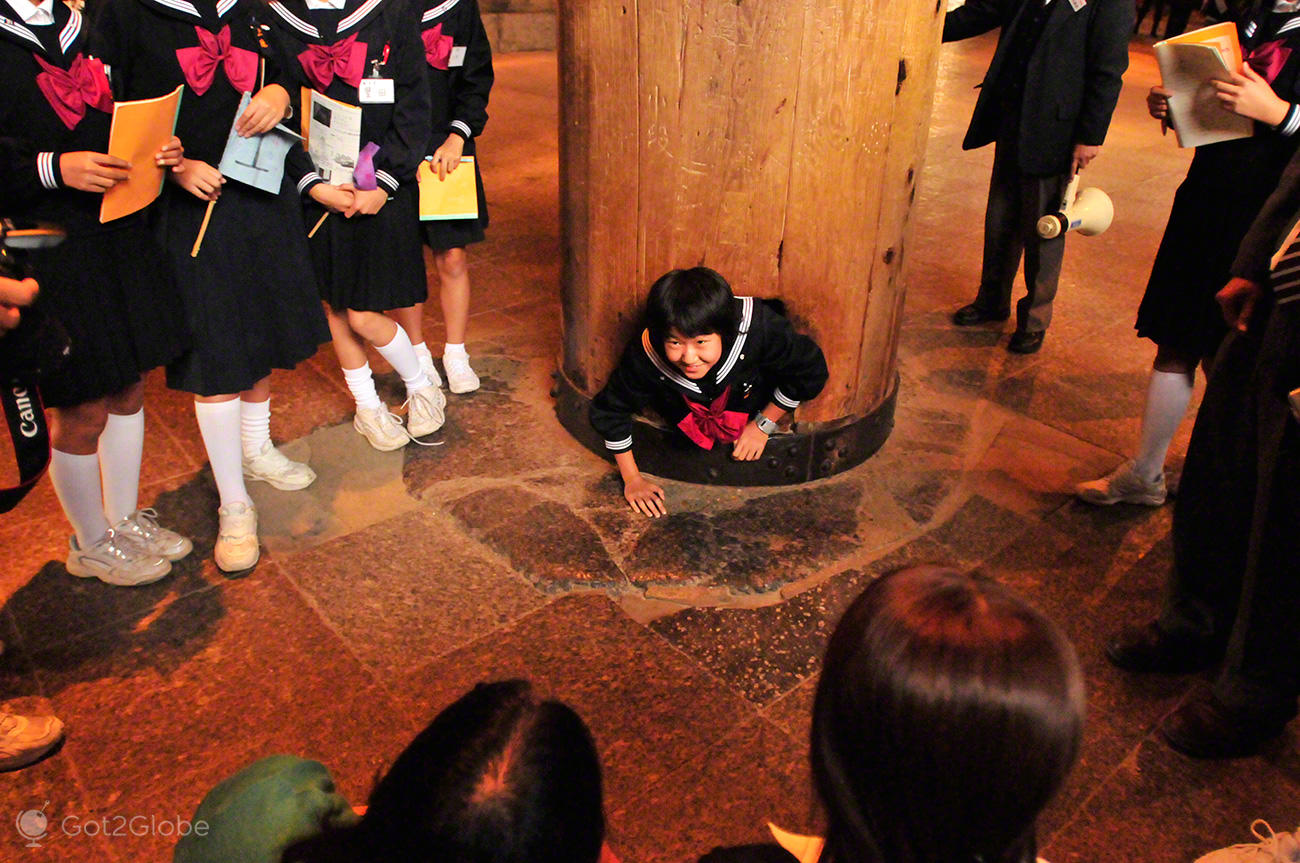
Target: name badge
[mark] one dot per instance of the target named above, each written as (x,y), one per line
(457,57)
(376,91)
(1076,5)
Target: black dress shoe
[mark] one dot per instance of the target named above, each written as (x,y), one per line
(974,313)
(1204,727)
(1026,343)
(1150,649)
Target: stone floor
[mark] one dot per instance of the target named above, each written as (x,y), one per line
(690,644)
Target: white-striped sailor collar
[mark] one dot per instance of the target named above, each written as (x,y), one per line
(733,355)
(188,9)
(1292,23)
(67,36)
(351,21)
(438,10)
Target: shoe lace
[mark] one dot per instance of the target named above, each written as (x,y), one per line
(124,546)
(146,520)
(1267,843)
(407,405)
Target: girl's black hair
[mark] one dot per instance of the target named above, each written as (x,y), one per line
(497,777)
(693,302)
(947,715)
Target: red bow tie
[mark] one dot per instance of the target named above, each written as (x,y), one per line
(200,64)
(70,91)
(346,59)
(1268,59)
(437,47)
(706,424)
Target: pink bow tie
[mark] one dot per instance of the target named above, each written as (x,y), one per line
(437,47)
(706,424)
(346,59)
(70,91)
(1268,59)
(200,63)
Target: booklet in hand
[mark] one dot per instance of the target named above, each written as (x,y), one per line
(258,160)
(139,130)
(1189,66)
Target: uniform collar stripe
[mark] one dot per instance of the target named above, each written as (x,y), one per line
(365,9)
(293,20)
(439,10)
(19,30)
(180,6)
(70,31)
(663,367)
(1290,25)
(746,314)
(224,6)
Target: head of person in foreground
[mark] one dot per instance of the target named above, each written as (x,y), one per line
(948,713)
(499,776)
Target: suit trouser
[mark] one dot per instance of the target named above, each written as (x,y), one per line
(1016,202)
(1236,575)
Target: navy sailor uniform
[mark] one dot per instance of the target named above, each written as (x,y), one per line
(108,284)
(250,295)
(766,361)
(367,263)
(1226,185)
(460,76)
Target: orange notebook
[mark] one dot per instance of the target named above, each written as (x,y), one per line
(454,197)
(139,130)
(1222,36)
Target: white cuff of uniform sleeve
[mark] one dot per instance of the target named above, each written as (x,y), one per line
(387,180)
(47,171)
(463,128)
(307,181)
(1291,123)
(617,446)
(784,400)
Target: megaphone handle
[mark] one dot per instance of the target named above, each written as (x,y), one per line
(1070,191)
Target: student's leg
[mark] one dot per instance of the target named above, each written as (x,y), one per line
(411,319)
(262,460)
(121,450)
(453,271)
(74,467)
(219,424)
(1169,391)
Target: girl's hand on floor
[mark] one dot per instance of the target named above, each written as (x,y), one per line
(366,202)
(199,179)
(92,172)
(645,497)
(750,444)
(336,199)
(268,107)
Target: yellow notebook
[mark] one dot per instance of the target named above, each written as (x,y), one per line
(139,131)
(455,197)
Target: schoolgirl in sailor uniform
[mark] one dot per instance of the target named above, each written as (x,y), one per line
(720,376)
(250,293)
(1226,185)
(460,79)
(367,251)
(107,284)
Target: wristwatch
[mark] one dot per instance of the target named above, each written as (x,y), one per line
(765,425)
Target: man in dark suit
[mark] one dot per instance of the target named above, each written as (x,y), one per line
(1234,592)
(1045,103)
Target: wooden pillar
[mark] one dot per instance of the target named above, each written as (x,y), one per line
(777,141)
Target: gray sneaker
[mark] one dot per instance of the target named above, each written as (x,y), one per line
(118,560)
(1123,485)
(142,526)
(26,739)
(1271,848)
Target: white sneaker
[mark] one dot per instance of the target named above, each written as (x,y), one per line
(274,467)
(236,549)
(460,377)
(381,428)
(1271,848)
(116,560)
(25,739)
(425,411)
(427,366)
(1123,485)
(142,526)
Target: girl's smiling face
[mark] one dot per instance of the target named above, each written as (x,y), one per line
(694,355)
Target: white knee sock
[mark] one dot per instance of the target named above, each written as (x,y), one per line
(219,425)
(450,350)
(76,482)
(254,426)
(401,355)
(362,386)
(121,447)
(1167,396)
(422,352)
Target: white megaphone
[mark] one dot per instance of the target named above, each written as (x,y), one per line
(1089,212)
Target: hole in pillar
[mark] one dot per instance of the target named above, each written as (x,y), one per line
(902,76)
